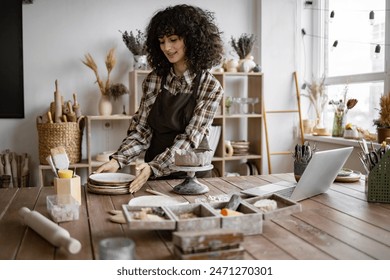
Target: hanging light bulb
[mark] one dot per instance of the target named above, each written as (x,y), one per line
(377,51)
(378,48)
(331,16)
(372,17)
(335,43)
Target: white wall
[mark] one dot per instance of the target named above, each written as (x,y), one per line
(57,34)
(280,56)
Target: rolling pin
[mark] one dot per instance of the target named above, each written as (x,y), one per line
(71,114)
(76,106)
(58,105)
(49,230)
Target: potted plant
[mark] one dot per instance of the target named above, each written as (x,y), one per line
(383,122)
(136,45)
(243,47)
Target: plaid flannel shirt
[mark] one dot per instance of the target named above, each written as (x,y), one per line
(139,133)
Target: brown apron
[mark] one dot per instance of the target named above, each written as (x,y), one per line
(169,116)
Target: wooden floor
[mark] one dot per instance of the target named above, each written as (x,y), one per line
(339,224)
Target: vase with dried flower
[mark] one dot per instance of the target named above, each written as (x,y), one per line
(341,108)
(318,99)
(383,122)
(107,89)
(136,44)
(243,47)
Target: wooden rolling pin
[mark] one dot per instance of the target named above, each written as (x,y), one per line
(76,106)
(58,105)
(49,230)
(71,115)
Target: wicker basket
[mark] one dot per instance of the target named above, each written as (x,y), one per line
(68,135)
(378,187)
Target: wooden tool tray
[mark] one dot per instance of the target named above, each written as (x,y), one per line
(194,217)
(285,206)
(130,212)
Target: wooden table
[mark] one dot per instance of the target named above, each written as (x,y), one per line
(339,224)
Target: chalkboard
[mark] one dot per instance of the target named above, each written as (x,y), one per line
(11,59)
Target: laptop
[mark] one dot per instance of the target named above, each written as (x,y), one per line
(317,178)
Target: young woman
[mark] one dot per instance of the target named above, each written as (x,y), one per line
(180,95)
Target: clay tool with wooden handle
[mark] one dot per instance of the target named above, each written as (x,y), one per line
(49,230)
(49,159)
(155,192)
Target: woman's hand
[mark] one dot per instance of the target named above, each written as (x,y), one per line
(111,166)
(144,171)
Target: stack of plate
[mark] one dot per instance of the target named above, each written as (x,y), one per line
(240,148)
(109,183)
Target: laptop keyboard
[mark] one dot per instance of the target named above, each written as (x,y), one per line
(287,192)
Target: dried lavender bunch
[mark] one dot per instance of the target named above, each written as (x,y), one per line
(135,43)
(243,45)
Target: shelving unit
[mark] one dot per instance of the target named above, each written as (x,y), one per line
(234,126)
(115,118)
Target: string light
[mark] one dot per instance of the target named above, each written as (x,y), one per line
(331,16)
(372,17)
(377,51)
(335,43)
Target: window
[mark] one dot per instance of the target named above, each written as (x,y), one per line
(352,53)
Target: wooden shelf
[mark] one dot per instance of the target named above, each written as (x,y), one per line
(253,84)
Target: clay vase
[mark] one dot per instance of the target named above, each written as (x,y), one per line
(105,105)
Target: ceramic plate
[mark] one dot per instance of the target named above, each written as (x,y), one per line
(353,177)
(97,186)
(155,201)
(345,172)
(111,178)
(245,169)
(107,191)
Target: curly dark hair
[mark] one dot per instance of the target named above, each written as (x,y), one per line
(201,36)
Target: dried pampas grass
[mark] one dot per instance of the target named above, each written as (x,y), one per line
(110,64)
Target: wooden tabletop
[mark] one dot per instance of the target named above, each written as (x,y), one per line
(339,224)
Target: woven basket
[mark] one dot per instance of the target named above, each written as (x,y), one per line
(69,135)
(378,188)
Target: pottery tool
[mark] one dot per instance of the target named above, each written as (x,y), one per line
(65,174)
(156,192)
(49,159)
(58,104)
(49,230)
(234,202)
(60,158)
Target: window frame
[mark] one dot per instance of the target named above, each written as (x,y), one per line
(320,52)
